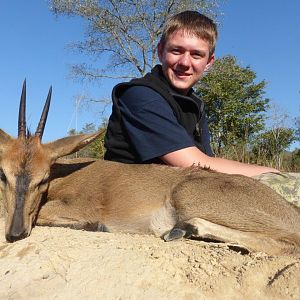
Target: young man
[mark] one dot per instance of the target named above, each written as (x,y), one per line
(159,118)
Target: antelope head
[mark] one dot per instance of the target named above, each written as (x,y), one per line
(25,167)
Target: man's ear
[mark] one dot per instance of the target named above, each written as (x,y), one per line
(210,62)
(159,50)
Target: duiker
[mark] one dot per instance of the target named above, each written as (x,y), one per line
(150,199)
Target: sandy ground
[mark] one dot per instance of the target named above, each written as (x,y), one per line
(60,263)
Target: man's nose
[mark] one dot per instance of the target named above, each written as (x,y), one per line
(185,60)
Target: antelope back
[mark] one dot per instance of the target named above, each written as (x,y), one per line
(25,168)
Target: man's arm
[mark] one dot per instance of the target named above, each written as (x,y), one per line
(193,156)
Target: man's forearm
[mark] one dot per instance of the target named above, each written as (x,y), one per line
(193,156)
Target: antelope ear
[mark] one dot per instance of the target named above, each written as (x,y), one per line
(4,139)
(70,144)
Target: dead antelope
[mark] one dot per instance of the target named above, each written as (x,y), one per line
(151,199)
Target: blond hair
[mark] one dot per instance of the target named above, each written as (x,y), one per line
(192,22)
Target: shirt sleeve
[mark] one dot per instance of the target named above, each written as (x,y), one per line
(151,125)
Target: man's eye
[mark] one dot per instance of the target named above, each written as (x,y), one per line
(197,55)
(175,51)
(2,176)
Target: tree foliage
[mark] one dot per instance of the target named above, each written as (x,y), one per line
(127,30)
(297,123)
(96,148)
(235,107)
(270,146)
(291,161)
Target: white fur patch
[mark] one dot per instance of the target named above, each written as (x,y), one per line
(163,220)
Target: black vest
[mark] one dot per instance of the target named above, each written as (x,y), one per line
(189,111)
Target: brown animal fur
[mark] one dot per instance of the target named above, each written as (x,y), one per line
(152,199)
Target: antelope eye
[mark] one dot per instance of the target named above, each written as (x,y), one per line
(2,176)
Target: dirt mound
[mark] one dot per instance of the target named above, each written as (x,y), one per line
(60,263)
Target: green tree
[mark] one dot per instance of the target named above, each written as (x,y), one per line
(291,161)
(96,148)
(235,107)
(294,164)
(72,131)
(297,123)
(125,30)
(270,146)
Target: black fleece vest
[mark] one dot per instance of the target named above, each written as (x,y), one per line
(189,111)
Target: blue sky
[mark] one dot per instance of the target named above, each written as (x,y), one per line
(263,34)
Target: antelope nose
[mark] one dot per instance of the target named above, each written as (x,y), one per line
(16,236)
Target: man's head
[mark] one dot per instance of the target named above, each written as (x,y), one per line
(186,48)
(191,23)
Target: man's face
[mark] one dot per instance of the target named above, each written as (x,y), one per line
(184,58)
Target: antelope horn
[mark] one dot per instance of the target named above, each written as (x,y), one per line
(22,113)
(40,129)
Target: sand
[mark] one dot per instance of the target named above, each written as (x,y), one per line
(61,263)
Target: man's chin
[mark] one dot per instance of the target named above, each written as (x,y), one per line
(181,89)
(182,85)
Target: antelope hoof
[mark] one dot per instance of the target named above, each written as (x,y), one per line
(102,227)
(174,234)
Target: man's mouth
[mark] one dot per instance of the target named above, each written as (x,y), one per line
(182,74)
